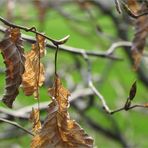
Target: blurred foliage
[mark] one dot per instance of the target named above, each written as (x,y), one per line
(114,77)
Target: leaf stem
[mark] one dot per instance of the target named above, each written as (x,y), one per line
(56,57)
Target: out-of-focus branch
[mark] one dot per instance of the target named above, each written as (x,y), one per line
(17,125)
(116,45)
(91,85)
(121,27)
(132,93)
(106,132)
(24,112)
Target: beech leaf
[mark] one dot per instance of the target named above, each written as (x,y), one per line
(35,118)
(58,130)
(13,54)
(33,76)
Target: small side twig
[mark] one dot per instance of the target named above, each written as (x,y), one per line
(129,108)
(129,100)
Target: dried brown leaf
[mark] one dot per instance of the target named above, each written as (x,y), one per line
(138,44)
(35,118)
(133,6)
(58,130)
(146,105)
(13,54)
(34,70)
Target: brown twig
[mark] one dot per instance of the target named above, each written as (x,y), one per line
(129,108)
(33,30)
(69,49)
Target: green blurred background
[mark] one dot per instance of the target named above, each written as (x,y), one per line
(112,79)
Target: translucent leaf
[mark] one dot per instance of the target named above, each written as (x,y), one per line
(34,69)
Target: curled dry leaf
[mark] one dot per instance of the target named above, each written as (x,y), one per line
(138,44)
(35,118)
(13,54)
(33,76)
(58,130)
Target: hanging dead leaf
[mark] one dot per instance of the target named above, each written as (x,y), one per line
(16,38)
(138,44)
(35,118)
(34,70)
(14,61)
(58,130)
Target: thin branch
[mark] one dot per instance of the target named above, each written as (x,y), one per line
(104,104)
(56,58)
(33,30)
(129,108)
(116,45)
(17,125)
(69,49)
(118,6)
(93,88)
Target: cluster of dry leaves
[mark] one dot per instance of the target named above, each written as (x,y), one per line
(26,70)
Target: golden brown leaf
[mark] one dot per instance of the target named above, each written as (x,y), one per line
(34,70)
(146,105)
(58,130)
(35,118)
(133,6)
(12,52)
(138,44)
